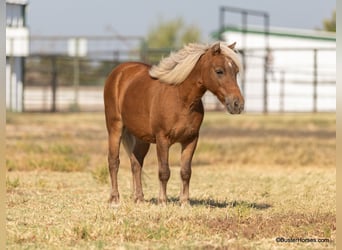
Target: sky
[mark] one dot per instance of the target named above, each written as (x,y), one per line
(137,17)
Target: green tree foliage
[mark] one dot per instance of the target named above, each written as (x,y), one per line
(172,34)
(330,23)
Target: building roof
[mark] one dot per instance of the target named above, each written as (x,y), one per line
(21,2)
(282,32)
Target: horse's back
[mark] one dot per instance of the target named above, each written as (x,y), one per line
(117,84)
(122,75)
(121,70)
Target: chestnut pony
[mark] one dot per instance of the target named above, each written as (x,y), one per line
(162,105)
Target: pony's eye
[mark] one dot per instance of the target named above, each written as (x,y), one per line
(219,71)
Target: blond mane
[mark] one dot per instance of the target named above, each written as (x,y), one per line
(175,68)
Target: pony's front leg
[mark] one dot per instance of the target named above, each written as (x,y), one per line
(164,170)
(188,150)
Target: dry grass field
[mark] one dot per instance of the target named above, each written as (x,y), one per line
(259,182)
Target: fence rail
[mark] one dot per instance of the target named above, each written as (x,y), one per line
(57,81)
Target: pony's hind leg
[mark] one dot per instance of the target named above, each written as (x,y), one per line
(137,161)
(114,139)
(136,150)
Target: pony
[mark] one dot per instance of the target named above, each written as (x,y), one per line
(162,104)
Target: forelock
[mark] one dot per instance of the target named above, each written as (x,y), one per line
(233,55)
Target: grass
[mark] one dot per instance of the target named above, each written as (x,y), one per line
(255,178)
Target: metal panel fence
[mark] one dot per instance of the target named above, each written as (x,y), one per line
(290,80)
(59,79)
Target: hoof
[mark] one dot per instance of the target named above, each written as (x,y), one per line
(114,201)
(185,204)
(162,202)
(139,200)
(114,205)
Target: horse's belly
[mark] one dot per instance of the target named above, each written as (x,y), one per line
(181,134)
(135,114)
(139,127)
(146,137)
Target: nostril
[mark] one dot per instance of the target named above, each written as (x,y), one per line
(234,104)
(242,107)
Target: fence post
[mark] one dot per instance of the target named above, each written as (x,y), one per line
(76,81)
(265,111)
(143,51)
(53,82)
(282,92)
(315,81)
(116,57)
(267,58)
(243,75)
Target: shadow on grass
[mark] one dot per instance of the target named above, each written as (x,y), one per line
(217,204)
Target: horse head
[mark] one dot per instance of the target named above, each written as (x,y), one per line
(221,66)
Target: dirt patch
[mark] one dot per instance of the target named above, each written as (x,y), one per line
(281,225)
(262,133)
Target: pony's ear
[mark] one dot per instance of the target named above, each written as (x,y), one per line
(232,46)
(215,49)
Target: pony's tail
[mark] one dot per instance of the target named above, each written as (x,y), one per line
(128,141)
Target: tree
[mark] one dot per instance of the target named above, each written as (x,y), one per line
(172,34)
(330,24)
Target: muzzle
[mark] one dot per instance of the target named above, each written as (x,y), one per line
(234,104)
